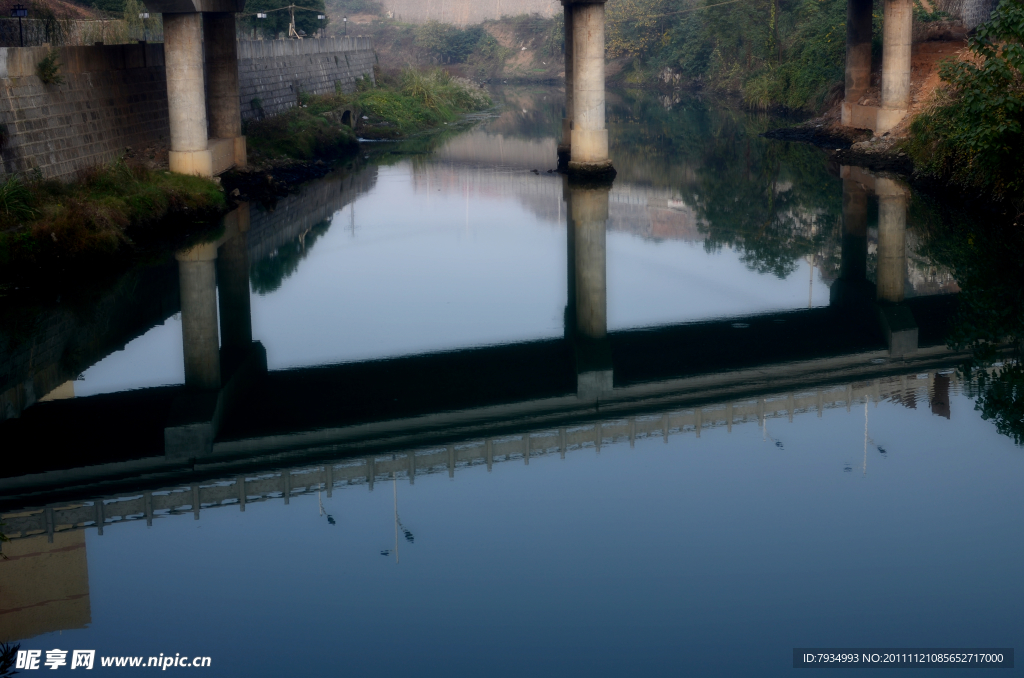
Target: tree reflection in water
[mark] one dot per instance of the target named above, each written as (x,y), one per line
(267,274)
(984,257)
(775,203)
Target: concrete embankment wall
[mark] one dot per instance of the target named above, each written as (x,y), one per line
(112,96)
(274,71)
(115,96)
(464,12)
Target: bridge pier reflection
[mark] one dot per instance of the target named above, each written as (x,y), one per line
(853,288)
(565,144)
(898,324)
(233,287)
(215,372)
(197,275)
(587,220)
(892,240)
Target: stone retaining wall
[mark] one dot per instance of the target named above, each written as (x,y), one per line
(115,96)
(112,96)
(271,73)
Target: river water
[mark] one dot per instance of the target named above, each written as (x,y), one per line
(672,437)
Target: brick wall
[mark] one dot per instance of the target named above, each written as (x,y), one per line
(115,96)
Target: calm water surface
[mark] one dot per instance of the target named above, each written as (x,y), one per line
(426,480)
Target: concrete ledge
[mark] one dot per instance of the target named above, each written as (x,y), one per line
(900,329)
(195,418)
(222,154)
(889,118)
(198,163)
(859,117)
(592,385)
(878,120)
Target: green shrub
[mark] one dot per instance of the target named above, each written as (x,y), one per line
(48,69)
(972,136)
(448,43)
(16,200)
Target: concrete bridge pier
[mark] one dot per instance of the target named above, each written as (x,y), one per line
(897,34)
(589,209)
(215,377)
(589,145)
(186,94)
(565,145)
(223,105)
(858,61)
(898,323)
(201,61)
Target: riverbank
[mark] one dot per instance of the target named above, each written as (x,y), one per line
(50,230)
(962,137)
(399,104)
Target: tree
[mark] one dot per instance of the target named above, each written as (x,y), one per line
(973,136)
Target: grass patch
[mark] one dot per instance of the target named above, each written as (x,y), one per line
(411,100)
(311,130)
(398,105)
(104,215)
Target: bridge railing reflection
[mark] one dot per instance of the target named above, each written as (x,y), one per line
(252,487)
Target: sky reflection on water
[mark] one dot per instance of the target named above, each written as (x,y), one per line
(887,518)
(713,555)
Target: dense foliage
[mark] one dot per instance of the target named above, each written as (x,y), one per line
(401,103)
(448,43)
(775,203)
(777,52)
(972,136)
(987,265)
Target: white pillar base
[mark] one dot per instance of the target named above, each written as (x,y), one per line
(589,145)
(878,120)
(889,118)
(196,163)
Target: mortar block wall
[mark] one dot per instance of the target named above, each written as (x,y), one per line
(111,97)
(115,96)
(271,73)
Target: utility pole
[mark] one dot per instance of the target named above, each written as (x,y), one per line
(20,11)
(292,33)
